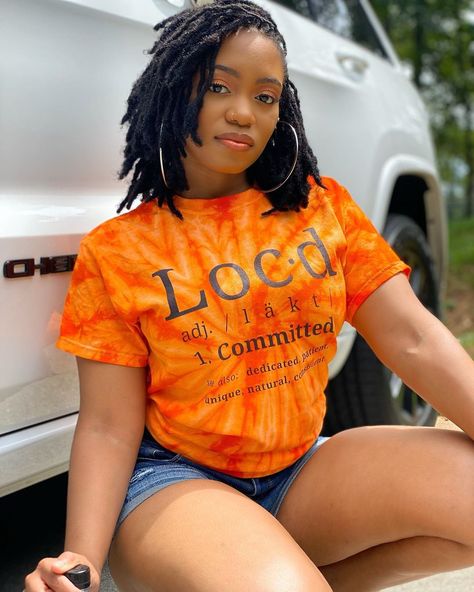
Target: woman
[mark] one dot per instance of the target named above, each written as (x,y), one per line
(209,313)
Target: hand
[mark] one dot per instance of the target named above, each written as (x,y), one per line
(48,575)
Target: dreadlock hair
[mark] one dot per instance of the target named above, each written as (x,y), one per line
(160,111)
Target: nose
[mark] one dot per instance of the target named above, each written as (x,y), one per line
(241,114)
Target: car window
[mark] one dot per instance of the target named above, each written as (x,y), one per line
(346,18)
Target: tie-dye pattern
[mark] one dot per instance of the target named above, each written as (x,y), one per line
(235,314)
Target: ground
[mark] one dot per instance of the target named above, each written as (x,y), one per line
(459,302)
(459,311)
(459,318)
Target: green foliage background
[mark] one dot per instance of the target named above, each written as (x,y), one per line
(436,38)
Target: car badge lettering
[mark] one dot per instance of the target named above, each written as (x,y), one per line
(17,268)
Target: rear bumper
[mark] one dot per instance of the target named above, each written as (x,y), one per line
(36,453)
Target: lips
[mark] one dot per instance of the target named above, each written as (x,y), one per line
(242,139)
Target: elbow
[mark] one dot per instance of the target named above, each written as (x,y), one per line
(410,344)
(418,347)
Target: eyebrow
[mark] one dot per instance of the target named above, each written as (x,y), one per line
(233,72)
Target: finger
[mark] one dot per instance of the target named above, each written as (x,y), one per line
(34,583)
(44,578)
(69,560)
(66,561)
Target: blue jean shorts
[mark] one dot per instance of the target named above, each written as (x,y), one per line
(157,467)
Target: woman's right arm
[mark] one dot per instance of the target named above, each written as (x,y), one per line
(104,450)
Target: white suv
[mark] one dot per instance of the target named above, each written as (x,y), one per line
(67,67)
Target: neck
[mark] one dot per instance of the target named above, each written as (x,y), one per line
(206,184)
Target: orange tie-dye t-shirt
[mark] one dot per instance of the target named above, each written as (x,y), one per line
(235,314)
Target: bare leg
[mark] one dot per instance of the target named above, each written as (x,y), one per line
(203,536)
(396,563)
(384,505)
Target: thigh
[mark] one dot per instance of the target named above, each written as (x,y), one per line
(205,536)
(373,485)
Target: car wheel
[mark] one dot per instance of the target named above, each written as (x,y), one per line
(365,392)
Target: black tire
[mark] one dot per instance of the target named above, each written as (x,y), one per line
(365,392)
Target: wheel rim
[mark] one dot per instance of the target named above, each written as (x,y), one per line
(413,410)
(420,279)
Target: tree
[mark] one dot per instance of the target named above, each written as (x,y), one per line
(437,38)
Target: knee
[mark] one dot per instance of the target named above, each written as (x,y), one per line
(282,577)
(290,578)
(462,495)
(467,524)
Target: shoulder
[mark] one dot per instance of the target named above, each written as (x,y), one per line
(330,190)
(331,196)
(121,229)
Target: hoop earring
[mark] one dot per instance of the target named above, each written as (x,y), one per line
(294,160)
(161,161)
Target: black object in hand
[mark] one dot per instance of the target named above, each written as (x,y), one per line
(80,576)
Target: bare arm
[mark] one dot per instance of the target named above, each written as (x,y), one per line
(419,349)
(104,450)
(107,437)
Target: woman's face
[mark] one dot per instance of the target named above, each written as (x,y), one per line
(240,109)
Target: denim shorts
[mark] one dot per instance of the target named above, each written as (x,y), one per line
(157,467)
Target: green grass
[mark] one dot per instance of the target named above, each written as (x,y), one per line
(461,242)
(467,339)
(461,249)
(461,268)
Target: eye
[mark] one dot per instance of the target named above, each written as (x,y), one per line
(218,88)
(267,99)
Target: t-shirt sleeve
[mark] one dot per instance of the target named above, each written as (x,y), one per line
(91,327)
(369,260)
